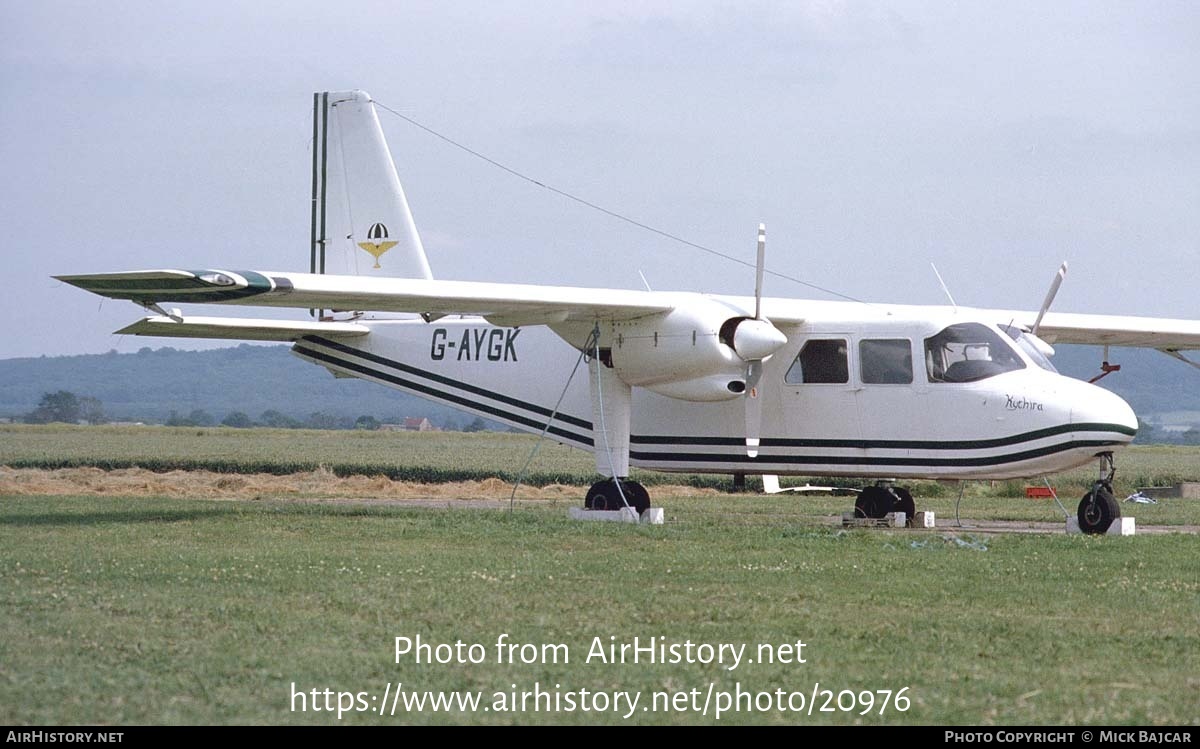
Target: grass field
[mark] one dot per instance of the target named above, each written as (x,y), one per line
(156,609)
(167,611)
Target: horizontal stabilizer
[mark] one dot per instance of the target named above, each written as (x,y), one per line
(241,328)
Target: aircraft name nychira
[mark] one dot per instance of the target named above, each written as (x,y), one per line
(475,344)
(1020,403)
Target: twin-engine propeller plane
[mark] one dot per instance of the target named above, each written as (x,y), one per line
(676,381)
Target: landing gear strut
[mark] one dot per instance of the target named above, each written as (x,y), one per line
(877,501)
(604,496)
(1099,508)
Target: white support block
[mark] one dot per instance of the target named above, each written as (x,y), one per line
(1122,526)
(653,516)
(623,515)
(923,519)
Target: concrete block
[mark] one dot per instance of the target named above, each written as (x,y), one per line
(1122,526)
(923,519)
(1186,490)
(653,516)
(623,515)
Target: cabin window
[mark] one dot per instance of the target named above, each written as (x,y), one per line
(886,361)
(822,360)
(968,352)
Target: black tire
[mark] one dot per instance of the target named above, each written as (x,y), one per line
(637,495)
(604,496)
(904,503)
(1097,511)
(873,502)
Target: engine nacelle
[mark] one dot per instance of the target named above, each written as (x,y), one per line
(696,352)
(718,387)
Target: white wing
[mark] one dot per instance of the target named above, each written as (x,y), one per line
(1112,330)
(525,304)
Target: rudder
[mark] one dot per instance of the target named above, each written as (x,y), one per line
(361,222)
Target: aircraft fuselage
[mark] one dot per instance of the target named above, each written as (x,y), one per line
(866,398)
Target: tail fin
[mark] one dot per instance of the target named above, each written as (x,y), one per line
(361,223)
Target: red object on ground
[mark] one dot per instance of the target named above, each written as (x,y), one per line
(1039,492)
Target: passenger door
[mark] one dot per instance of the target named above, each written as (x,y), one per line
(819,393)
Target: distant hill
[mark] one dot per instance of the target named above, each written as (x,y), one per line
(1163,391)
(150,384)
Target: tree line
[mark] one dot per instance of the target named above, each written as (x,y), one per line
(64,406)
(68,408)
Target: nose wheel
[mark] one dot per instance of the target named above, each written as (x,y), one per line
(1099,508)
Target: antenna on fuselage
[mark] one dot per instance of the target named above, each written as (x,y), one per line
(945,288)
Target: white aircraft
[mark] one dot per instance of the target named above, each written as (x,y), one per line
(676,381)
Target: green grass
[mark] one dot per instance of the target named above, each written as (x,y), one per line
(121,611)
(978,504)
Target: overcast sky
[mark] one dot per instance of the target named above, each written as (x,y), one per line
(993,139)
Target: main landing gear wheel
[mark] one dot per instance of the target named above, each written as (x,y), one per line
(877,501)
(874,502)
(1098,509)
(604,496)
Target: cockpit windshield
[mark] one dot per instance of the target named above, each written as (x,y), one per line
(1030,346)
(967,352)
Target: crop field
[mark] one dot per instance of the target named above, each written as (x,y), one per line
(129,596)
(445,456)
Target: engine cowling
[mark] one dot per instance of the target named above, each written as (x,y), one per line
(695,352)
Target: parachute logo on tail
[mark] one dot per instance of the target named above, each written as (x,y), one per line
(380,244)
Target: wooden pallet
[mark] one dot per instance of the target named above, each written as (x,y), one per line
(890,520)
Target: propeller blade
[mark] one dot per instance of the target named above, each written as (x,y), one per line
(754,368)
(1058,279)
(758,270)
(754,372)
(753,421)
(753,408)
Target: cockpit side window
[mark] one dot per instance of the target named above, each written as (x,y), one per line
(968,352)
(821,360)
(886,361)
